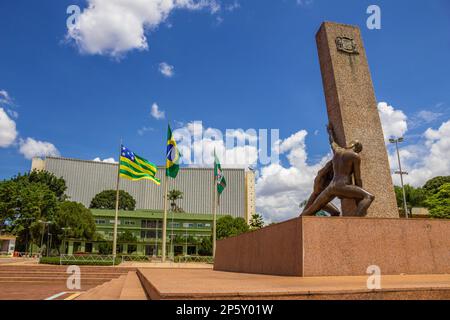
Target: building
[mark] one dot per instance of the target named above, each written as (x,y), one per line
(85,179)
(7,244)
(185,232)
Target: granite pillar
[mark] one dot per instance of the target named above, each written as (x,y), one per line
(352,110)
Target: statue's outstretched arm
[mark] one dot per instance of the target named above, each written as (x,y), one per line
(331,136)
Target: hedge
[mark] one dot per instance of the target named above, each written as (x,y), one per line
(56,261)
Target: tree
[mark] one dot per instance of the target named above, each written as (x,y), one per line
(55,184)
(228,227)
(173,196)
(23,207)
(432,186)
(205,248)
(107,200)
(414,197)
(73,220)
(439,203)
(256,222)
(105,247)
(127,236)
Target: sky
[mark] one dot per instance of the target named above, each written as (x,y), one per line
(128,67)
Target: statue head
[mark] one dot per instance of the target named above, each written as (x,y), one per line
(356,146)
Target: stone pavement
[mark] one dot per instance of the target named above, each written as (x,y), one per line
(209,284)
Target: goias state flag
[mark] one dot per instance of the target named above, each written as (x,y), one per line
(218,175)
(133,167)
(172,155)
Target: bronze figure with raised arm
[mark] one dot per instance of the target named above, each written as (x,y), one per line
(346,169)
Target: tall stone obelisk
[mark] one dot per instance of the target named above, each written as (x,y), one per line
(352,110)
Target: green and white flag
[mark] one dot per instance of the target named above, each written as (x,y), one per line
(218,175)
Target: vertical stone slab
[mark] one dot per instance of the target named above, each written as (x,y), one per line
(352,110)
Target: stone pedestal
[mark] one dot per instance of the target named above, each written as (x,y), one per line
(352,110)
(317,246)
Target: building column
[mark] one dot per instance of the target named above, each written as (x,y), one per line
(83,247)
(70,248)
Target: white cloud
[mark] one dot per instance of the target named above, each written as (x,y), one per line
(233,6)
(304,3)
(114,27)
(279,189)
(428,158)
(166,69)
(4,97)
(394,122)
(424,159)
(107,160)
(197,144)
(144,129)
(8,131)
(429,116)
(156,113)
(31,148)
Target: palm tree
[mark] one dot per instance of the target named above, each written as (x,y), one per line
(173,196)
(257,221)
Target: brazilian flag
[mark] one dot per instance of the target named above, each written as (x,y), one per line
(133,167)
(172,156)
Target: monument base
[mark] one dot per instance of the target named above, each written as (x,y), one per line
(317,246)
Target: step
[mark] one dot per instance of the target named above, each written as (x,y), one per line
(132,288)
(58,274)
(108,291)
(90,294)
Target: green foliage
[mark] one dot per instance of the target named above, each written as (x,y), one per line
(228,227)
(105,248)
(173,196)
(432,186)
(23,205)
(56,261)
(107,200)
(127,236)
(439,203)
(205,248)
(73,220)
(55,184)
(256,222)
(415,197)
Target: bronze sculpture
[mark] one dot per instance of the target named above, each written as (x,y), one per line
(321,182)
(346,168)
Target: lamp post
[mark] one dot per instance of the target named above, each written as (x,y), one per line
(400,172)
(27,233)
(44,224)
(65,236)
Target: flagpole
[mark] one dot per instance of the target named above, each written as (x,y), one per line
(114,251)
(214,216)
(164,235)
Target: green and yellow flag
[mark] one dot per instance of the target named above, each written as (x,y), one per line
(133,167)
(172,156)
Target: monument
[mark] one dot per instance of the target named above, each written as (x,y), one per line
(370,231)
(352,111)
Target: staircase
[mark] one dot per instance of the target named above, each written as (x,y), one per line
(125,287)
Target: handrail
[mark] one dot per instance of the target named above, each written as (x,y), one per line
(84,258)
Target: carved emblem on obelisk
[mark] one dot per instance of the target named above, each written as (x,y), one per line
(347,44)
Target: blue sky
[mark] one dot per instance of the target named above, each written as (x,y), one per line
(236,64)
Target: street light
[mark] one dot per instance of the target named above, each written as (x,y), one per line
(400,171)
(65,236)
(44,224)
